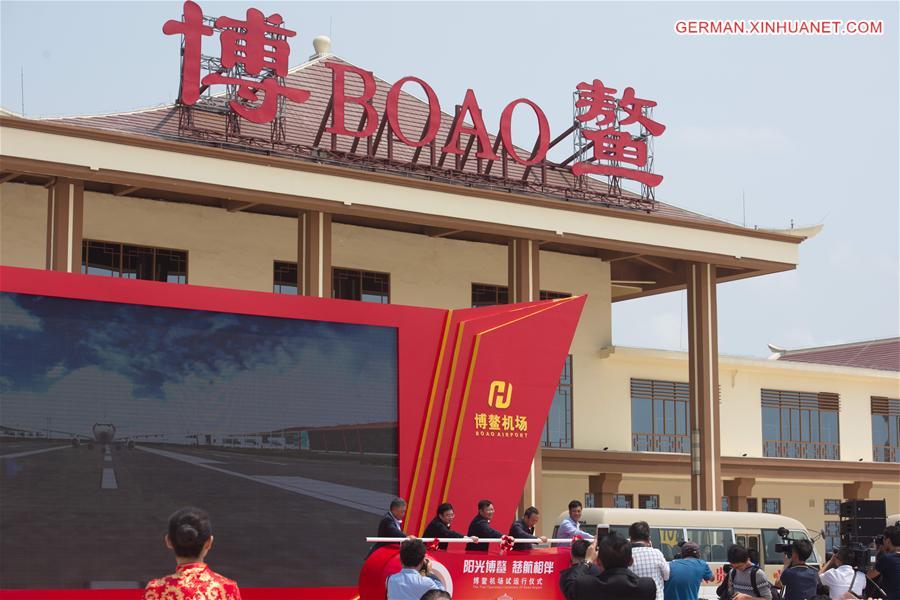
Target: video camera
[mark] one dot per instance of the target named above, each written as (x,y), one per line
(786,542)
(862,555)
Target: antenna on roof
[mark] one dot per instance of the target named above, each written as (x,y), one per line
(744,207)
(22,87)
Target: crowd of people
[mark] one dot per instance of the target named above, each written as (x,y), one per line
(613,568)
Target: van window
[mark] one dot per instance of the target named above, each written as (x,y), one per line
(713,543)
(770,538)
(666,539)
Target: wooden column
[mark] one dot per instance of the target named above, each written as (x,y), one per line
(65,225)
(314,254)
(524,271)
(858,490)
(524,286)
(703,365)
(738,490)
(604,487)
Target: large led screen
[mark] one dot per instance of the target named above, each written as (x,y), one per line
(114,415)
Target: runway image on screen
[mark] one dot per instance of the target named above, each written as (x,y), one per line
(114,415)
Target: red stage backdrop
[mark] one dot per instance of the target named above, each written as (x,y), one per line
(474,388)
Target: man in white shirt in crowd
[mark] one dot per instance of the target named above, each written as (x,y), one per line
(571,526)
(416,577)
(838,574)
(648,561)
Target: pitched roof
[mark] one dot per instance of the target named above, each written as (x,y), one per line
(303,121)
(872,354)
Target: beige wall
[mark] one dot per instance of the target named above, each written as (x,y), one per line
(23,225)
(741,380)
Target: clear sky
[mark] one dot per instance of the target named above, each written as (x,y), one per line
(805,128)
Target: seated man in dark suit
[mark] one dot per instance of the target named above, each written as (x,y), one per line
(616,582)
(480,526)
(440,525)
(524,528)
(391,523)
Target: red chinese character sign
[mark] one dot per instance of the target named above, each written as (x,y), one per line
(613,134)
(612,145)
(254,59)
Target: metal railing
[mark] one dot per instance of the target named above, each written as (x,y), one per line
(794,449)
(885,454)
(660,442)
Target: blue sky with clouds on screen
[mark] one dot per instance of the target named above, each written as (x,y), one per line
(161,370)
(805,128)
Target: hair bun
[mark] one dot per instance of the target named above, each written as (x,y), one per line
(187,534)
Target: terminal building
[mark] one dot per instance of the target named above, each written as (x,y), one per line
(180,196)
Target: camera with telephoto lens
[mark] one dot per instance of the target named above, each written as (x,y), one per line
(786,542)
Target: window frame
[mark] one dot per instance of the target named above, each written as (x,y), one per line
(889,410)
(641,389)
(795,423)
(360,273)
(275,284)
(643,497)
(777,502)
(545,442)
(85,245)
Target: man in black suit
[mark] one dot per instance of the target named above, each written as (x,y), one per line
(616,582)
(579,557)
(524,528)
(440,525)
(480,526)
(391,523)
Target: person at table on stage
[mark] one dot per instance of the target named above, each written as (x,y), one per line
(190,537)
(524,528)
(440,525)
(391,524)
(481,526)
(571,526)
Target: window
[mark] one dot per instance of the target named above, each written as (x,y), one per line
(713,543)
(623,501)
(113,259)
(285,278)
(832,535)
(725,504)
(366,286)
(771,537)
(548,295)
(772,505)
(484,294)
(558,428)
(648,501)
(659,416)
(752,505)
(832,507)
(801,424)
(885,429)
(589,500)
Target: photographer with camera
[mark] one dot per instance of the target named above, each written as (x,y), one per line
(841,574)
(887,565)
(798,579)
(416,577)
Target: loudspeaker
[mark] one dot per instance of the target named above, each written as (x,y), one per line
(863,509)
(862,527)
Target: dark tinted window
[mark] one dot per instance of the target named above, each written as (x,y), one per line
(367,286)
(284,278)
(133,262)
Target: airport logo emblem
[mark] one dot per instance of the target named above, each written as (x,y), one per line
(500,394)
(497,425)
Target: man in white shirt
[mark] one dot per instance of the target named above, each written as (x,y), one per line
(570,526)
(648,561)
(839,576)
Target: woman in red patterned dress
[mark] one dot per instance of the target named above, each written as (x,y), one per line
(190,536)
